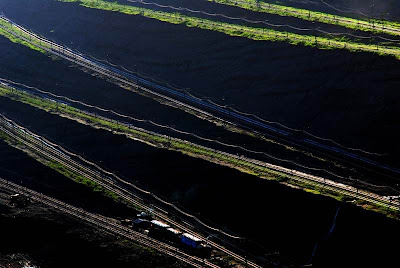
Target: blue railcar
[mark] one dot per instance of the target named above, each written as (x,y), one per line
(190,240)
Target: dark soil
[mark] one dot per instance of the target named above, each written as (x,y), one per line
(48,239)
(335,94)
(82,86)
(277,217)
(238,12)
(38,177)
(350,97)
(21,64)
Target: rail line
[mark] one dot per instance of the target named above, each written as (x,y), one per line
(362,12)
(117,186)
(106,71)
(376,25)
(15,131)
(107,224)
(186,91)
(50,96)
(254,33)
(160,81)
(181,99)
(47,142)
(296,175)
(265,22)
(37,144)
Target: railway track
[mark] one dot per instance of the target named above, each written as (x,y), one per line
(34,143)
(48,96)
(370,25)
(181,99)
(326,184)
(107,224)
(112,185)
(119,186)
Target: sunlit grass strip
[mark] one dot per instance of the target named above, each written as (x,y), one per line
(373,25)
(60,168)
(21,33)
(185,147)
(148,137)
(241,30)
(156,139)
(15,39)
(73,175)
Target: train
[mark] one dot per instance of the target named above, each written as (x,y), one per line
(162,231)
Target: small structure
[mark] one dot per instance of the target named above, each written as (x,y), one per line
(191,240)
(19,200)
(144,215)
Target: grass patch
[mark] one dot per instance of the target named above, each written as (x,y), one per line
(148,137)
(5,137)
(254,33)
(3,31)
(64,170)
(373,25)
(175,144)
(82,180)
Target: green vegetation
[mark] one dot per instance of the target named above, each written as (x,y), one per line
(240,30)
(373,25)
(148,137)
(315,188)
(64,170)
(151,138)
(261,34)
(175,144)
(5,137)
(4,26)
(80,179)
(17,40)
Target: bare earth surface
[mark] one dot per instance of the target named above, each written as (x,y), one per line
(335,94)
(350,97)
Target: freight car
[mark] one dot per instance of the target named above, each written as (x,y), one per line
(162,231)
(191,240)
